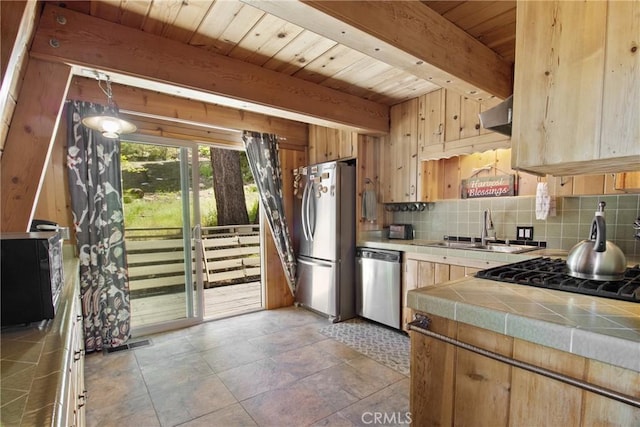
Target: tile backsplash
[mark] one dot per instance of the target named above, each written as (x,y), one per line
(571,224)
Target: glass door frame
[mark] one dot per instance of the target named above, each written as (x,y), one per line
(195,304)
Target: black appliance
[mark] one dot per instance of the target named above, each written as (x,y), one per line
(553,274)
(31,276)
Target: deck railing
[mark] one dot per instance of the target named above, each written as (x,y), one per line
(231,255)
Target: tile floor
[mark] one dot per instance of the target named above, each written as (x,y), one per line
(269,368)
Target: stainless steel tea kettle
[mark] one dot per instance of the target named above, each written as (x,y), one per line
(596,258)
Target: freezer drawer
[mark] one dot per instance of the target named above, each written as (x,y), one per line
(378,286)
(317,286)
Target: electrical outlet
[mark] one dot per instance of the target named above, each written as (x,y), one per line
(524,233)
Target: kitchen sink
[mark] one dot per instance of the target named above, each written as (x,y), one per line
(492,247)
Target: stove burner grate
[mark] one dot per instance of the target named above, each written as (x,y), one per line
(553,274)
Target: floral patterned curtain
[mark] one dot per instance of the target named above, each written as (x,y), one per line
(93,164)
(262,153)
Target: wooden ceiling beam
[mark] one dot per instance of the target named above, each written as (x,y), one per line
(162,64)
(142,104)
(407,35)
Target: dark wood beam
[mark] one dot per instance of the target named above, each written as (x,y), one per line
(74,38)
(407,35)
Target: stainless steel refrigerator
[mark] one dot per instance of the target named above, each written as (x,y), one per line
(325,230)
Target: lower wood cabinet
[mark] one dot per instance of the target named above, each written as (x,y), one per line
(420,273)
(74,393)
(454,386)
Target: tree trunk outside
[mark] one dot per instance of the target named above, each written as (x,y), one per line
(228,187)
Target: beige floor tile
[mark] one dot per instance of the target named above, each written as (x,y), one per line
(282,341)
(250,380)
(336,349)
(176,368)
(334,420)
(375,369)
(291,406)
(114,387)
(232,355)
(268,368)
(344,384)
(389,407)
(304,361)
(185,400)
(232,415)
(138,411)
(97,363)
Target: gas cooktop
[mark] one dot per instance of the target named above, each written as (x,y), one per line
(553,274)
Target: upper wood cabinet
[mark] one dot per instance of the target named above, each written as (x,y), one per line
(576,88)
(627,182)
(448,125)
(326,144)
(401,154)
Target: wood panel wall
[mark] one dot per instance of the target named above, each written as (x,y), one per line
(368,177)
(54,203)
(277,292)
(17,25)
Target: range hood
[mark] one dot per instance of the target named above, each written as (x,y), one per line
(498,118)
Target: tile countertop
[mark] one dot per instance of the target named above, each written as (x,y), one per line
(598,328)
(419,247)
(33,360)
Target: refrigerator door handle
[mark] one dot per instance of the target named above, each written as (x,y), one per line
(314,262)
(307,211)
(311,209)
(303,212)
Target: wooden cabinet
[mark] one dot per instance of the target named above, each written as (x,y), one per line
(419,273)
(449,125)
(401,154)
(482,385)
(455,386)
(327,144)
(625,182)
(74,393)
(438,125)
(432,376)
(576,89)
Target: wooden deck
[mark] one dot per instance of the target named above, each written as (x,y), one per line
(219,302)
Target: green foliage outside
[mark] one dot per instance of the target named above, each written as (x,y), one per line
(150,181)
(161,210)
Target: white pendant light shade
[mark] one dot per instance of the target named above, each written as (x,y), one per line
(108,123)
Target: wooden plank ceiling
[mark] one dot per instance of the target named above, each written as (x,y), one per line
(244,32)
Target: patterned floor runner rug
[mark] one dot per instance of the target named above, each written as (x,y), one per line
(384,345)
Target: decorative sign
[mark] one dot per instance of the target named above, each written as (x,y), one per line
(491,186)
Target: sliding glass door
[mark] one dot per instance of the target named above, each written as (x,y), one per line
(163,233)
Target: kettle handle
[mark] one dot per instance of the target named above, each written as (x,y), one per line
(599,233)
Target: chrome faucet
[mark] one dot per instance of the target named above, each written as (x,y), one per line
(487,224)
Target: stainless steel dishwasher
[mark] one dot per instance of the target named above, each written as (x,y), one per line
(378,285)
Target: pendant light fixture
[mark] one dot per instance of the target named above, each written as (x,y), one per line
(108,123)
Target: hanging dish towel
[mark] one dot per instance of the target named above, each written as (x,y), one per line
(545,204)
(369,205)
